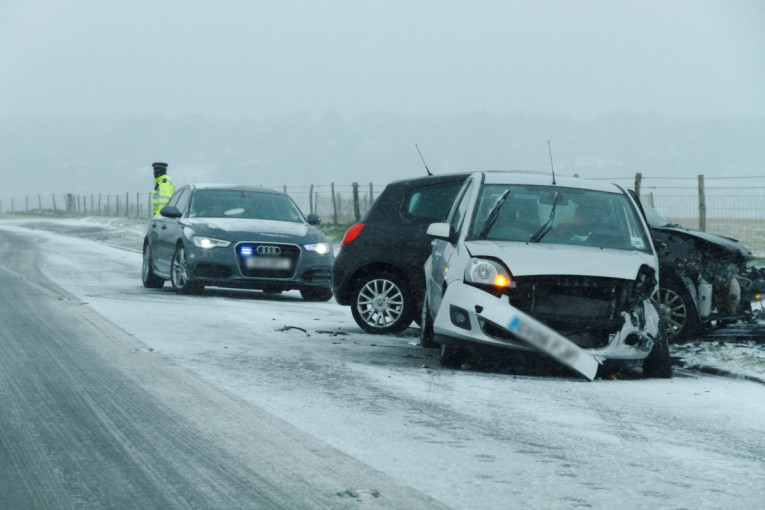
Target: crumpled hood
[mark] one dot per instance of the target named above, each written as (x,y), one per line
(726,243)
(237,229)
(534,259)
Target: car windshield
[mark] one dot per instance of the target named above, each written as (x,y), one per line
(558,215)
(244,204)
(654,218)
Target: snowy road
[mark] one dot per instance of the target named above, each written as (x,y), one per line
(362,404)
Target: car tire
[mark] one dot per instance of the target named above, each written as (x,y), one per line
(381,303)
(427,336)
(658,364)
(178,275)
(150,280)
(679,311)
(316,294)
(452,356)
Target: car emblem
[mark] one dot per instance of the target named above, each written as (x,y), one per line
(269,250)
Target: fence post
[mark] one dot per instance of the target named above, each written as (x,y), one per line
(137,206)
(53,195)
(650,199)
(702,206)
(310,199)
(92,211)
(334,204)
(371,194)
(285,189)
(356,210)
(108,208)
(127,204)
(39,202)
(151,206)
(638,181)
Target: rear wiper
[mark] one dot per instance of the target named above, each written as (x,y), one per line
(493,215)
(544,229)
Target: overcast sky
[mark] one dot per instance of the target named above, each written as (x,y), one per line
(254,59)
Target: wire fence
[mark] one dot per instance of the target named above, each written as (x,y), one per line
(729,206)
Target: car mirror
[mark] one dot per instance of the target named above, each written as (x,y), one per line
(313,219)
(661,248)
(440,231)
(170,211)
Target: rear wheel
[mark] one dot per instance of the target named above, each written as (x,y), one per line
(658,364)
(316,294)
(179,276)
(150,280)
(382,303)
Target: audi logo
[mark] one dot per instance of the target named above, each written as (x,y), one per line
(269,250)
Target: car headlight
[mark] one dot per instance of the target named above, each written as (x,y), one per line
(489,273)
(320,248)
(208,242)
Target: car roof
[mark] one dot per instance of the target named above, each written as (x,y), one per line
(234,187)
(431,179)
(541,179)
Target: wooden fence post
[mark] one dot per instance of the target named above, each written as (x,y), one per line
(638,182)
(107,205)
(371,194)
(356,210)
(151,206)
(334,205)
(702,205)
(127,204)
(78,204)
(100,212)
(310,199)
(92,211)
(137,206)
(53,195)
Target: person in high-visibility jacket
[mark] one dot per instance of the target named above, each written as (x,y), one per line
(164,187)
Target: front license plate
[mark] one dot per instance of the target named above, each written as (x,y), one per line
(543,340)
(267,263)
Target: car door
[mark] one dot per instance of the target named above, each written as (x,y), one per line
(443,251)
(169,231)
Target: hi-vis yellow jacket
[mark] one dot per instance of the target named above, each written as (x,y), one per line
(164,187)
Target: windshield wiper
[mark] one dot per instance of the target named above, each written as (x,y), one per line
(493,215)
(544,229)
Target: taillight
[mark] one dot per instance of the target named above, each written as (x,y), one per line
(352,233)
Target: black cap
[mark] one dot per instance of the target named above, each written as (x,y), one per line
(159,165)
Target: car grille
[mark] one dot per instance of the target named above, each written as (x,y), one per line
(289,252)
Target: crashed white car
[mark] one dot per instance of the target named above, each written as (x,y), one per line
(564,267)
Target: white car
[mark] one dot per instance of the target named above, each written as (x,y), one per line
(566,267)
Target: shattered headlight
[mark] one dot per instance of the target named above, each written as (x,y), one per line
(488,273)
(208,242)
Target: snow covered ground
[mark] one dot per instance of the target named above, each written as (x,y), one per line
(467,438)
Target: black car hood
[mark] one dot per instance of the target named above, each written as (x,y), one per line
(726,243)
(236,229)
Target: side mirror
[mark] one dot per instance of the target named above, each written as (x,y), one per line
(170,211)
(440,231)
(661,248)
(313,219)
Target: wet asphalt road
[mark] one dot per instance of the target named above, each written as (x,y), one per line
(88,420)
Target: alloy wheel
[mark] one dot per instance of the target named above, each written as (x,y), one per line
(380,303)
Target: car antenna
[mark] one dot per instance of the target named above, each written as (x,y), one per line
(551,163)
(423,160)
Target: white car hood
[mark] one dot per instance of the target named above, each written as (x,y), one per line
(533,259)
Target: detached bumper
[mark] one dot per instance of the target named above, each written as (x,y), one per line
(472,315)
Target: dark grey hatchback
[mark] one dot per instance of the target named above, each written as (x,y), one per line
(237,237)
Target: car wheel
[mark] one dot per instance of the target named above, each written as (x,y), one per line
(452,356)
(382,303)
(679,311)
(427,336)
(316,294)
(179,276)
(658,364)
(150,280)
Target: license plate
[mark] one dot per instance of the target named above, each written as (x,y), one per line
(268,263)
(543,340)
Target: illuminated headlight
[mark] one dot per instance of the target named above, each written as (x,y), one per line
(488,272)
(320,248)
(207,242)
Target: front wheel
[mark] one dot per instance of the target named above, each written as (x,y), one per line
(382,303)
(658,364)
(674,302)
(427,336)
(150,280)
(179,276)
(316,294)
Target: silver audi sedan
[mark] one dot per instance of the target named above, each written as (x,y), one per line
(237,237)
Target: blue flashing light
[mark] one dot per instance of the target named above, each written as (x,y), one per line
(245,251)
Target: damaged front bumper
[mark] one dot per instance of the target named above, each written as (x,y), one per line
(470,314)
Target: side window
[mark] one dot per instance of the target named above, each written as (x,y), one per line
(430,202)
(183,199)
(176,196)
(457,214)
